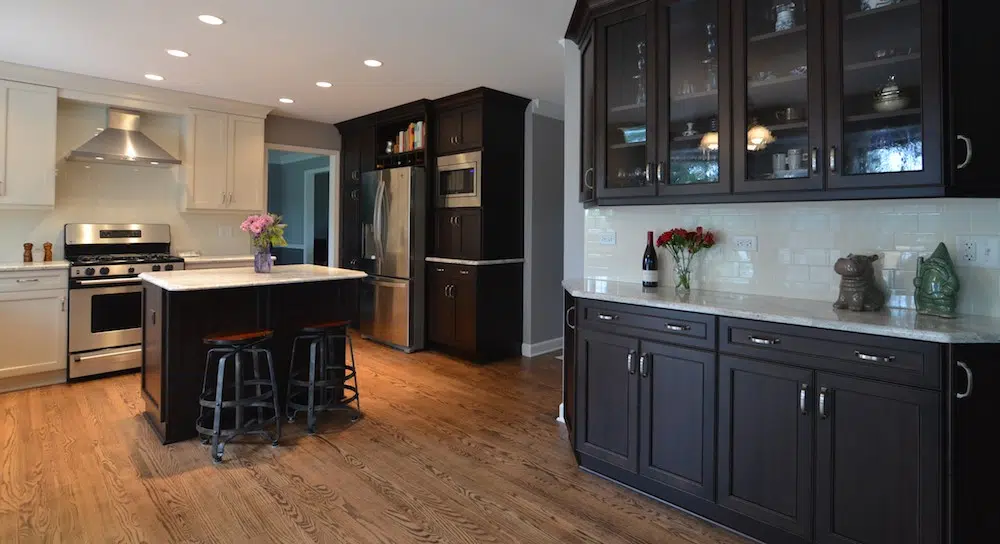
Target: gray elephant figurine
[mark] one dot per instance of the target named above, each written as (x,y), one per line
(858,290)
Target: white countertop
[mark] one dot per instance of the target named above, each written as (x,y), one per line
(891,322)
(443,260)
(227,278)
(201,259)
(34,266)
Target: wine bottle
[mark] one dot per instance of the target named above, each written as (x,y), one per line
(649,263)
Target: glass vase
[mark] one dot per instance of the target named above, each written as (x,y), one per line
(682,272)
(262,260)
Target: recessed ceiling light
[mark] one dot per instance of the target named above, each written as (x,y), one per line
(286,101)
(154,77)
(99,158)
(154,163)
(372,63)
(210,20)
(177,53)
(324,84)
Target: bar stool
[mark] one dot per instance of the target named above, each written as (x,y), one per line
(323,377)
(234,348)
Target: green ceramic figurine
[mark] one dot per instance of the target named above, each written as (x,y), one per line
(937,284)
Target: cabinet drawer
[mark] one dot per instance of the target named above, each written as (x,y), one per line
(891,359)
(12,282)
(687,329)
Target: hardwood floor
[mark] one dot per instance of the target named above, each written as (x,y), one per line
(446,452)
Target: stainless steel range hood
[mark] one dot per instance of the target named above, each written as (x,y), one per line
(122,143)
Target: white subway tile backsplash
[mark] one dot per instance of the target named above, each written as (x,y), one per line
(798,243)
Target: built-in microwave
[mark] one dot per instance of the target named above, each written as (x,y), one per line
(459,181)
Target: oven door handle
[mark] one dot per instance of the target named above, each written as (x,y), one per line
(109,280)
(83,358)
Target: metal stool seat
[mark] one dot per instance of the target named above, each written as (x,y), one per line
(232,395)
(310,389)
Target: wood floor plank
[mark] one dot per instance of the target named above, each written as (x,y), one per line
(447,452)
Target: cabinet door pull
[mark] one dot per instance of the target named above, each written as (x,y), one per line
(833,159)
(568,324)
(822,402)
(678,328)
(643,365)
(661,171)
(764,341)
(803,395)
(874,358)
(968,381)
(649,173)
(153,316)
(62,304)
(588,175)
(630,361)
(814,160)
(223,197)
(31,280)
(607,317)
(968,151)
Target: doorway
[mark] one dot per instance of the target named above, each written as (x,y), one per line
(299,190)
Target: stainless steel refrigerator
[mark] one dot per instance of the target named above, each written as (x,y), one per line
(394,245)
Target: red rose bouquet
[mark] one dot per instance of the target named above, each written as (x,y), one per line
(683,244)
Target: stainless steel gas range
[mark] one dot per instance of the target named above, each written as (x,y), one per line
(105,292)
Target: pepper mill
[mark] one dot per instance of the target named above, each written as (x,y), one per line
(27,252)
(47,246)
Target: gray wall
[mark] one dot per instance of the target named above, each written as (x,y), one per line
(302,133)
(573,215)
(546,255)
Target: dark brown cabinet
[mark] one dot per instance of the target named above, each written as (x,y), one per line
(766,434)
(460,129)
(458,233)
(472,310)
(152,351)
(877,463)
(699,101)
(607,388)
(677,418)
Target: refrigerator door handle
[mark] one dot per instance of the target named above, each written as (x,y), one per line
(377,224)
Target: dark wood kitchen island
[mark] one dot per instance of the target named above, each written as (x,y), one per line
(182,307)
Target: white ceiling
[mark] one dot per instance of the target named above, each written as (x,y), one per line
(271,48)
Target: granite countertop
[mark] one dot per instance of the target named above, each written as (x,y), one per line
(896,323)
(227,278)
(33,267)
(443,260)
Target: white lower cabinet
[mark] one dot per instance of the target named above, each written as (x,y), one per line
(32,332)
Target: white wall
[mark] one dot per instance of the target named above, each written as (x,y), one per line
(573,216)
(119,194)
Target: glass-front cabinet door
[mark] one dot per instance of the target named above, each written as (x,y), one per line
(625,62)
(694,122)
(884,102)
(778,118)
(588,111)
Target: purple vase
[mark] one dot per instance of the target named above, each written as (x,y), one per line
(262,260)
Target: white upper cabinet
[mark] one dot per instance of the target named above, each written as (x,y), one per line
(27,145)
(248,164)
(228,169)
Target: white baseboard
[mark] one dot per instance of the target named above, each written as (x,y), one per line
(562,414)
(548,346)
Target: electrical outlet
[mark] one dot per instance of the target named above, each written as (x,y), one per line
(978,251)
(745,243)
(609,238)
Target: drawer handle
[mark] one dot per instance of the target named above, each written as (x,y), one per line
(463,272)
(568,311)
(439,269)
(764,341)
(968,383)
(607,317)
(32,280)
(678,328)
(874,358)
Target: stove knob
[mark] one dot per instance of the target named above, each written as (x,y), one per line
(105,271)
(89,271)
(131,270)
(168,267)
(156,268)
